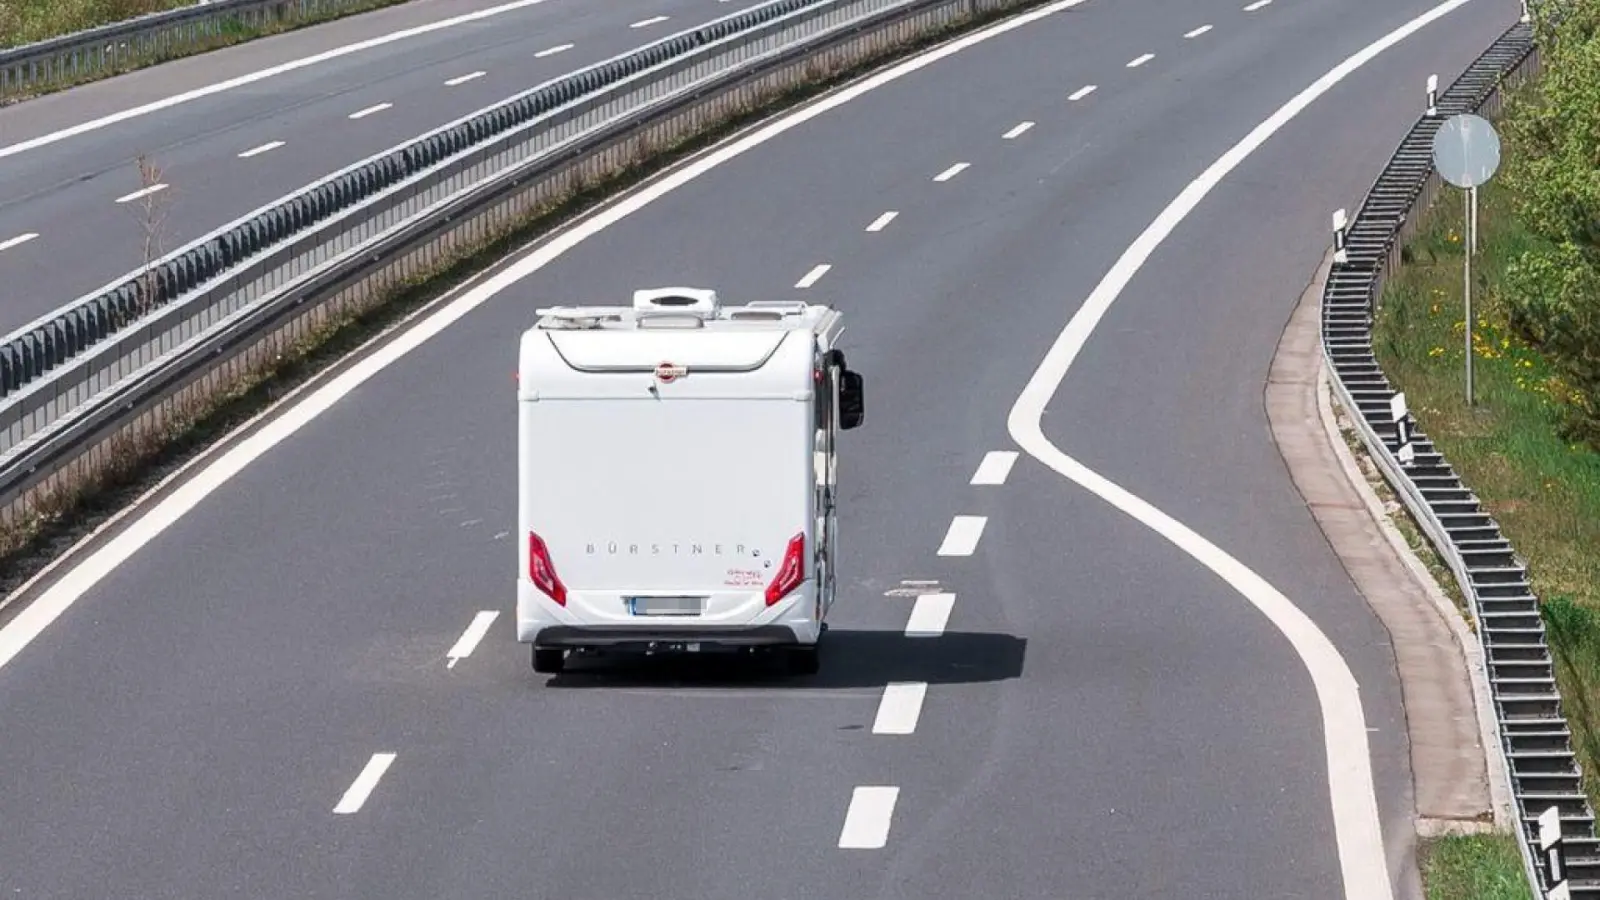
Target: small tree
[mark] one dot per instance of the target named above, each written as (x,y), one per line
(152,212)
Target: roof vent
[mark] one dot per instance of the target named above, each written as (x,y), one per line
(780,307)
(575,317)
(677,299)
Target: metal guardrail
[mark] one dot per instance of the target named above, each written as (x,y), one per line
(70,58)
(125,362)
(1536,753)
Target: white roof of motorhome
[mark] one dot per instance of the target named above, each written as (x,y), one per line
(678,326)
(678,308)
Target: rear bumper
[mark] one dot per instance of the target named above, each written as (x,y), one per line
(544,623)
(759,636)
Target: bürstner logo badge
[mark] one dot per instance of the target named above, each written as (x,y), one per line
(668,372)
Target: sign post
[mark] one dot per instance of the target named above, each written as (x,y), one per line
(1466,153)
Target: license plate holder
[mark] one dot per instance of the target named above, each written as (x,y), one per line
(665,606)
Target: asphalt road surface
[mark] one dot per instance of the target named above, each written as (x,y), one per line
(222,155)
(1102,716)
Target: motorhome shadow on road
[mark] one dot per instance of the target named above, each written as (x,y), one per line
(678,477)
(857,659)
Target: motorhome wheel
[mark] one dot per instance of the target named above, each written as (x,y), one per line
(548,659)
(805,660)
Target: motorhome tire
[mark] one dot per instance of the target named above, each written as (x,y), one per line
(548,659)
(804,660)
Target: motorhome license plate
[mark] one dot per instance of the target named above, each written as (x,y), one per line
(666,606)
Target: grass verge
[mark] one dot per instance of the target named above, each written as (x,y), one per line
(28,21)
(1473,867)
(64,520)
(1544,491)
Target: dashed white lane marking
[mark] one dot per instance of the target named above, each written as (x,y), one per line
(144,192)
(1197,32)
(813,276)
(1138,61)
(866,822)
(18,240)
(930,614)
(1356,826)
(1256,5)
(463,79)
(1357,829)
(79,573)
(1017,131)
(257,151)
(900,707)
(962,537)
(882,221)
(951,172)
(363,113)
(361,789)
(252,77)
(559,48)
(1082,92)
(476,629)
(995,467)
(642,23)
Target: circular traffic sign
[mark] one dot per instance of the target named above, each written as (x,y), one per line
(1466,150)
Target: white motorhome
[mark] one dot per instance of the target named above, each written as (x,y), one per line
(676,475)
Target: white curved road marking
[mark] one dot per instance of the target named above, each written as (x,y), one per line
(1355,808)
(1349,765)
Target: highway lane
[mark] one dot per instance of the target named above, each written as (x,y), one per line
(296,126)
(305,648)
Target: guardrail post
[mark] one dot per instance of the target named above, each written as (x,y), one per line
(1405,450)
(1339,223)
(1555,853)
(1433,95)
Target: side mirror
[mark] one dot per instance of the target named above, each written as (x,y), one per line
(852,400)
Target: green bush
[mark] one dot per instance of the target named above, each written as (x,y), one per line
(1552,166)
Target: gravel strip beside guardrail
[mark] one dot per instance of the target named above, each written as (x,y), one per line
(1535,742)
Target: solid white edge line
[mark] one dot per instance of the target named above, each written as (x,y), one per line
(995,467)
(951,172)
(375,108)
(867,820)
(463,79)
(1082,92)
(18,240)
(1198,31)
(882,221)
(1017,131)
(961,539)
(356,796)
(73,581)
(476,629)
(142,192)
(1357,829)
(559,48)
(1138,61)
(261,74)
(813,276)
(930,615)
(257,151)
(900,707)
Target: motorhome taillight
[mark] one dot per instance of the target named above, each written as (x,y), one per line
(791,571)
(542,572)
